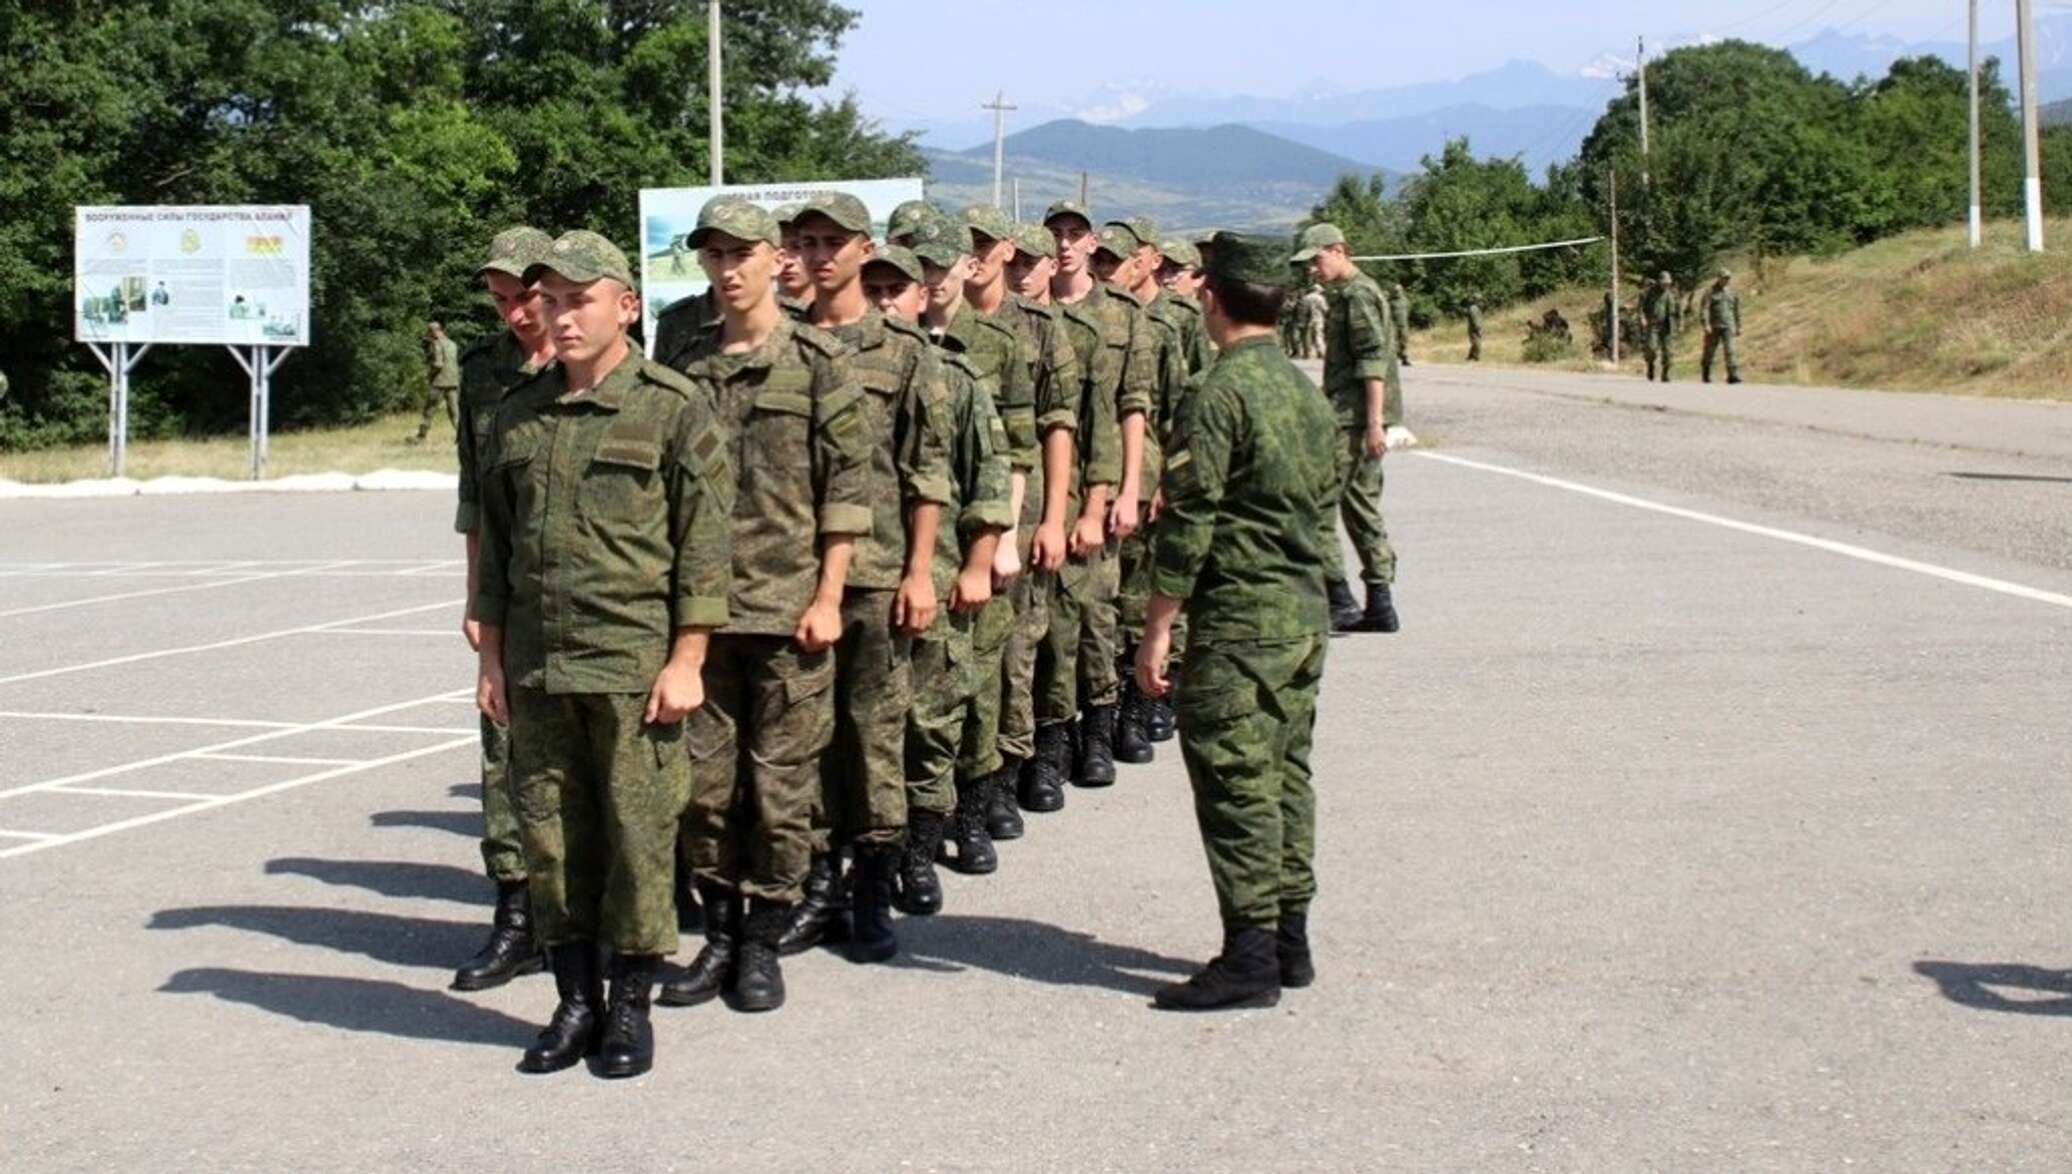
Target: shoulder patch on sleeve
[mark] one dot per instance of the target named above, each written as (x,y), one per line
(665,376)
(816,339)
(912,331)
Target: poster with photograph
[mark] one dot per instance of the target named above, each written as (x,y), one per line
(237,276)
(669,269)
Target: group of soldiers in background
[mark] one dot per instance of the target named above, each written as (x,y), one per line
(859,567)
(1661,317)
(1304,322)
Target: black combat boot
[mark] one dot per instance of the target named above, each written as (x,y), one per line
(510,951)
(689,917)
(1132,740)
(759,979)
(1345,608)
(1160,722)
(975,855)
(1096,747)
(1245,974)
(1732,379)
(873,939)
(574,1031)
(1380,615)
(713,969)
(920,890)
(822,916)
(1003,809)
(629,1039)
(1291,947)
(1043,781)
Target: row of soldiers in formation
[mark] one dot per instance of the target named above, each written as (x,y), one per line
(860,563)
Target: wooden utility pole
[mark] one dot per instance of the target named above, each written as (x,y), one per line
(1977,217)
(718,129)
(2032,174)
(1641,59)
(999,107)
(1017,199)
(1612,327)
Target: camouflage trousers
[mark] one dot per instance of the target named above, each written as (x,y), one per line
(1475,346)
(503,848)
(949,733)
(1075,663)
(755,753)
(1656,344)
(1247,713)
(1135,595)
(1030,598)
(1358,493)
(863,776)
(598,792)
(1715,342)
(433,397)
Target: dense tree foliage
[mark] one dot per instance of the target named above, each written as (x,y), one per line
(411,129)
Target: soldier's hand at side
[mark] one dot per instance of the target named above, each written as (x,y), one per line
(1122,517)
(1377,443)
(913,609)
(819,627)
(471,629)
(679,689)
(489,694)
(973,589)
(1047,553)
(1152,653)
(1157,507)
(1007,561)
(1088,536)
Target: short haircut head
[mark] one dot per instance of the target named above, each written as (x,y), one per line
(1248,303)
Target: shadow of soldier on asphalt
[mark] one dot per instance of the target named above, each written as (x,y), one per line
(1032,950)
(399,941)
(1971,984)
(460,823)
(357,1004)
(466,791)
(391,878)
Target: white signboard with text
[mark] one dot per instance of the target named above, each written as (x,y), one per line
(669,269)
(236,276)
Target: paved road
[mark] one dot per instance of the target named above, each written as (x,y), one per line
(1708,814)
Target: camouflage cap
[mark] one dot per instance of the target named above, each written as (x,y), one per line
(844,209)
(1314,239)
(1067,208)
(1118,240)
(582,256)
(939,240)
(1181,253)
(1141,227)
(1725,273)
(985,218)
(899,258)
(1035,240)
(908,218)
(513,251)
(784,214)
(1664,277)
(736,218)
(1259,260)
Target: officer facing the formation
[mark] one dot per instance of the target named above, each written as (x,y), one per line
(1658,315)
(442,380)
(1248,487)
(489,369)
(1365,388)
(1474,314)
(1722,326)
(605,565)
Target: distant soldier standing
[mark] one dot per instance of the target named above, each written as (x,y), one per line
(1365,389)
(1316,311)
(489,369)
(442,378)
(1658,314)
(1722,326)
(605,566)
(1248,489)
(1399,317)
(1474,330)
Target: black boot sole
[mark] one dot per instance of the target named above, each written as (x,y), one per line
(1144,757)
(1266,998)
(958,865)
(1000,832)
(490,982)
(1094,782)
(1043,803)
(755,1006)
(667,997)
(640,1067)
(527,1065)
(871,952)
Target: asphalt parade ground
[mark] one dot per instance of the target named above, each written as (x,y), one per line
(1709,812)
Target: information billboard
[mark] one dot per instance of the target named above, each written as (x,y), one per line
(236,276)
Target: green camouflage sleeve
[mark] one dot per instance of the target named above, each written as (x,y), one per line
(924,456)
(493,554)
(701,505)
(1198,356)
(1058,378)
(1016,400)
(467,514)
(1369,332)
(984,476)
(1195,473)
(1141,367)
(842,439)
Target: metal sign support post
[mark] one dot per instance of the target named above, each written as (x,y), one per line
(259,367)
(119,359)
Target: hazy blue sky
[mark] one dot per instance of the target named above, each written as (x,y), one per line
(1066,51)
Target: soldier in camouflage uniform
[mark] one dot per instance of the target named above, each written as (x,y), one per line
(1363,385)
(1474,314)
(1034,264)
(1399,319)
(945,679)
(803,443)
(489,368)
(1180,273)
(891,595)
(1658,313)
(987,809)
(442,377)
(604,567)
(1722,326)
(1041,448)
(1248,491)
(906,221)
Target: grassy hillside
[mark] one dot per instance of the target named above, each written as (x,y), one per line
(362,448)
(1917,312)
(1187,157)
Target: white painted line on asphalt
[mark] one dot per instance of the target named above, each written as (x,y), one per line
(290,761)
(208,586)
(190,649)
(409,729)
(43,841)
(254,739)
(130,793)
(26,836)
(133,720)
(439,632)
(1847,550)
